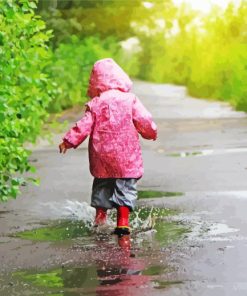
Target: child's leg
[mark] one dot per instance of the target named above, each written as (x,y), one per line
(125,193)
(101,216)
(122,221)
(124,198)
(101,192)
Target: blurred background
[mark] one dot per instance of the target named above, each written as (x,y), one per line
(47,49)
(200,44)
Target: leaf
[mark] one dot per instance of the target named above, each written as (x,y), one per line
(24,83)
(35,181)
(32,5)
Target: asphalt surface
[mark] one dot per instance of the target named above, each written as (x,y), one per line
(200,151)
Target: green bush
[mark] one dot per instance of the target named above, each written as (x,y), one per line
(219,67)
(208,54)
(71,66)
(25,90)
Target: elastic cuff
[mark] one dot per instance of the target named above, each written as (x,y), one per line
(68,144)
(116,205)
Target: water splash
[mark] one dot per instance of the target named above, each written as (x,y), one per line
(75,220)
(141,223)
(70,209)
(142,218)
(202,230)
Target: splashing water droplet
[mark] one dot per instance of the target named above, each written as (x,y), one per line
(141,219)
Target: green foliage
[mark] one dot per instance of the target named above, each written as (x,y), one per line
(85,18)
(206,53)
(71,66)
(219,68)
(25,90)
(128,60)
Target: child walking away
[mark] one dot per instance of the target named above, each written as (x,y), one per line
(113,118)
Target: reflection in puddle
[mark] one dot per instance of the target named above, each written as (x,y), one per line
(113,269)
(120,275)
(57,231)
(156,194)
(165,284)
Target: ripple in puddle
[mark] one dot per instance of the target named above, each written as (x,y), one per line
(110,269)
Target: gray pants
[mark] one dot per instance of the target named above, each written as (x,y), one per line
(110,193)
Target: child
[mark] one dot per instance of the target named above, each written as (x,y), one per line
(113,119)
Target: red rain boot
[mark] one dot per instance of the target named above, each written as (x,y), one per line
(101,215)
(122,221)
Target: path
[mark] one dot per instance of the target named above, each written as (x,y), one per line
(200,151)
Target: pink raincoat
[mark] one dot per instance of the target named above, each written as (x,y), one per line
(113,119)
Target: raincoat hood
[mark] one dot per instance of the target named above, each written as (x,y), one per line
(107,74)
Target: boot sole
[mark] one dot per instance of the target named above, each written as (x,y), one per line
(121,231)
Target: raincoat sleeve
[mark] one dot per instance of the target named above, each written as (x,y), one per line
(79,132)
(143,121)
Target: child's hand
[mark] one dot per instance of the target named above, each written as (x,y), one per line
(63,148)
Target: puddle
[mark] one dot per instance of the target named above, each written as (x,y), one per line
(56,231)
(49,279)
(4,240)
(202,230)
(185,154)
(220,228)
(157,194)
(100,279)
(141,220)
(3,213)
(111,271)
(207,152)
(170,232)
(100,265)
(165,284)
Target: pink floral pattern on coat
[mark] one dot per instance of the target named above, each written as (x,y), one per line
(113,119)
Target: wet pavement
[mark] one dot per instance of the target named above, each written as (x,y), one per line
(189,232)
